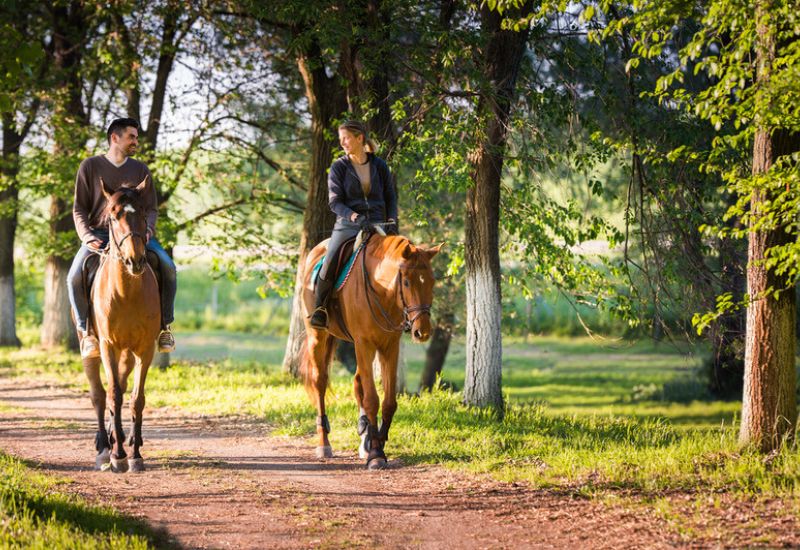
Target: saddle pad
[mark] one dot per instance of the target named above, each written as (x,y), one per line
(348,266)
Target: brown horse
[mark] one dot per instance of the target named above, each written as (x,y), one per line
(390,289)
(126,319)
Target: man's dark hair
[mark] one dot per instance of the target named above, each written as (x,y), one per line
(118,126)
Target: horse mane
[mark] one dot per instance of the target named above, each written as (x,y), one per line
(393,248)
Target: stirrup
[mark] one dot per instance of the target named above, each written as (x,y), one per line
(319,318)
(166,341)
(90,347)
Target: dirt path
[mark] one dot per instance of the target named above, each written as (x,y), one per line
(225,483)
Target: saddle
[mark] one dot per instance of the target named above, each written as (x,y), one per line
(344,264)
(92,264)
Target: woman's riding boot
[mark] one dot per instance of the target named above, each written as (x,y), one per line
(319,318)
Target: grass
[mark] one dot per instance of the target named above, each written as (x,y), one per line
(573,419)
(34,514)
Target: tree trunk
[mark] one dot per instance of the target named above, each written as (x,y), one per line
(8,228)
(504,52)
(70,28)
(769,404)
(326,101)
(436,352)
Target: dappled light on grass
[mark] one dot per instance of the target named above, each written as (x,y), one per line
(572,422)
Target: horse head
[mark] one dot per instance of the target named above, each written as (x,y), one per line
(127,225)
(415,294)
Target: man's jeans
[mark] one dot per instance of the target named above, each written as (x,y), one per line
(80,301)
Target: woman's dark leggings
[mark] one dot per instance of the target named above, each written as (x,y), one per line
(342,231)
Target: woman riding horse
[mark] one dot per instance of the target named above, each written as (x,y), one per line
(361,193)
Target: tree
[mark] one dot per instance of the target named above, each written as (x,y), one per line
(757,96)
(502,56)
(19,106)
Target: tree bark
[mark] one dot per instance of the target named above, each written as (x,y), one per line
(769,404)
(326,101)
(8,227)
(70,27)
(504,52)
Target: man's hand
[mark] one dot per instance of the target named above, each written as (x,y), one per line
(391,228)
(95,244)
(354,216)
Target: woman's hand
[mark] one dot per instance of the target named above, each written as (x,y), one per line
(354,217)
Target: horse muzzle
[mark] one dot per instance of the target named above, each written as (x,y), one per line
(135,267)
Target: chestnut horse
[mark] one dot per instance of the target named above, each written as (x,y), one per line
(126,318)
(389,290)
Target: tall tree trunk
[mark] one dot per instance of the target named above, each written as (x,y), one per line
(8,228)
(504,52)
(326,101)
(769,405)
(70,27)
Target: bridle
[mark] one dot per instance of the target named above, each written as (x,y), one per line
(118,244)
(387,325)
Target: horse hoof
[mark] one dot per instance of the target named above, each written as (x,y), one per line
(377,464)
(324,451)
(103,460)
(119,465)
(136,465)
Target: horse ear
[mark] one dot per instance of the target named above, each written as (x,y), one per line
(435,250)
(106,191)
(408,251)
(140,188)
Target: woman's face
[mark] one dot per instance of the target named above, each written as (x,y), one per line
(351,143)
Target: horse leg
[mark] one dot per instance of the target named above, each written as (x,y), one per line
(365,354)
(320,350)
(136,462)
(98,395)
(388,359)
(115,394)
(363,421)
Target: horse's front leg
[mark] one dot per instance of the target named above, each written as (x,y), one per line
(388,358)
(368,422)
(116,391)
(98,395)
(136,462)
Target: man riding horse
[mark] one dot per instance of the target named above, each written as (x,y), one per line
(117,169)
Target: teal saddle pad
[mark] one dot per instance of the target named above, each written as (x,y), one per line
(344,273)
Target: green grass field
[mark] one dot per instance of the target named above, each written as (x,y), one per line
(580,415)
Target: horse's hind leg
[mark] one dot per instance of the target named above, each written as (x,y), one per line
(136,462)
(115,394)
(98,395)
(321,348)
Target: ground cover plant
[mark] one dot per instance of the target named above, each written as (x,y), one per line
(580,416)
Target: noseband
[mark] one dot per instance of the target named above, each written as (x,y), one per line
(387,325)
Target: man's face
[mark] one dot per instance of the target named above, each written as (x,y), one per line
(128,141)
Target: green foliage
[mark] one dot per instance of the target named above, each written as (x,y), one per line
(35,514)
